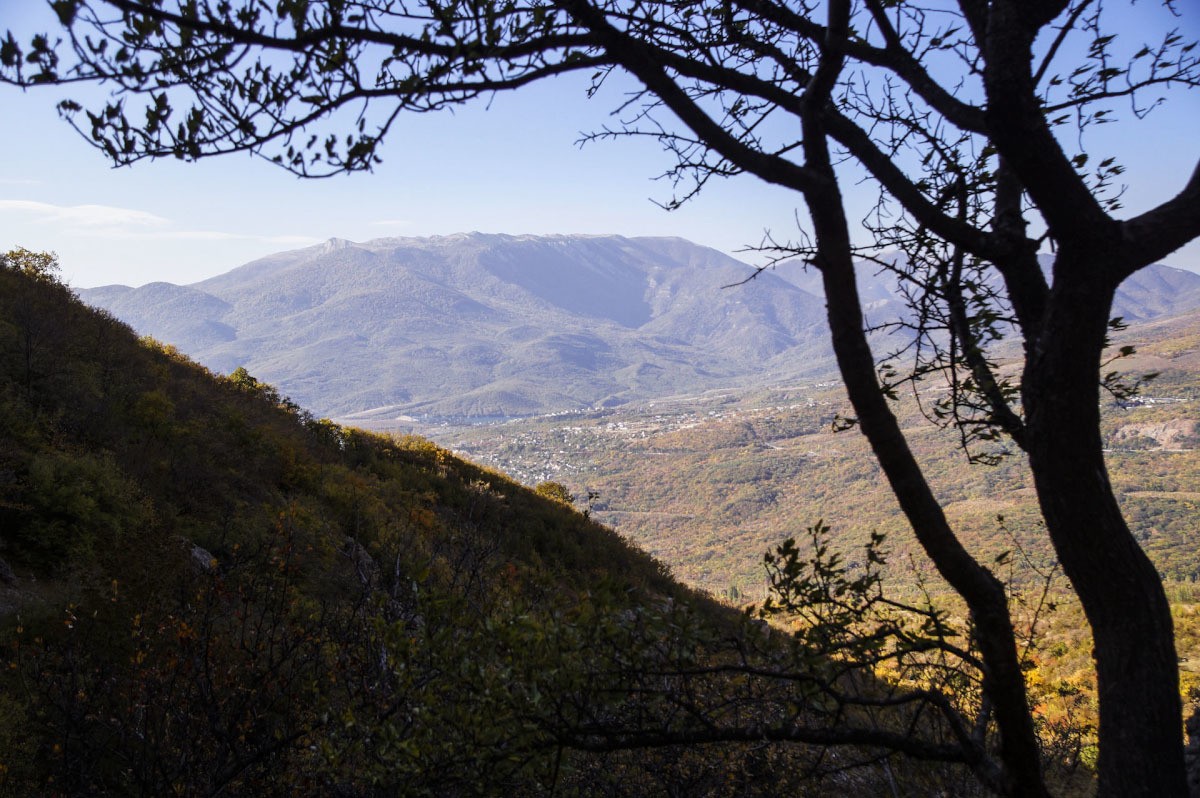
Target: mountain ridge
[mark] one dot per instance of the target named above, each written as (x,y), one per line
(475,325)
(502,325)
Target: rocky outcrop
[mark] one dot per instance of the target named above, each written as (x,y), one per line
(365,567)
(1172,434)
(202,559)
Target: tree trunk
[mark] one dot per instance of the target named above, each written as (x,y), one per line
(1141,741)
(983,593)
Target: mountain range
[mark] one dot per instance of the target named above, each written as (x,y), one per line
(494,326)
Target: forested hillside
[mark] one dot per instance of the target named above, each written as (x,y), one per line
(205,590)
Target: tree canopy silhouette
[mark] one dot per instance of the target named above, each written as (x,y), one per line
(964,115)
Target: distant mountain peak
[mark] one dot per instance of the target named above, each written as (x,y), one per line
(334,244)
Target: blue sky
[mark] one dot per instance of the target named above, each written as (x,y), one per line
(515,167)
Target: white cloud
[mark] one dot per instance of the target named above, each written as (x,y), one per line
(91,217)
(110,222)
(215,235)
